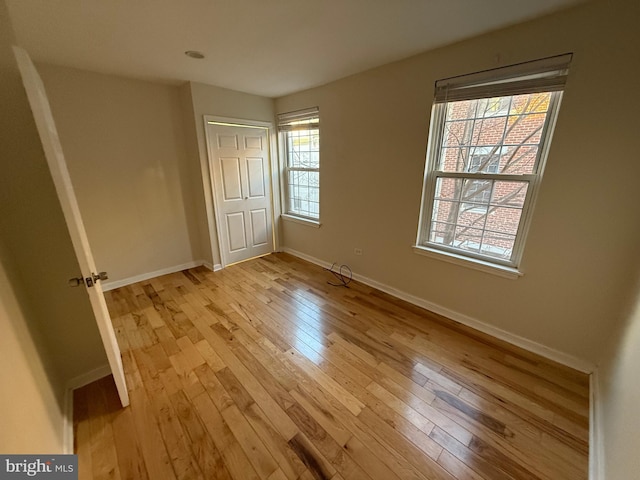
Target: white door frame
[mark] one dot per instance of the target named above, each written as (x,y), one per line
(273,174)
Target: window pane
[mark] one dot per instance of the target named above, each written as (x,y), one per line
(448,188)
(440,233)
(476,191)
(497,245)
(530,103)
(472,215)
(487,131)
(467,238)
(453,159)
(444,211)
(303,148)
(510,194)
(529,130)
(304,193)
(503,220)
(519,159)
(496,135)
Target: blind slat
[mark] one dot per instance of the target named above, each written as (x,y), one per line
(304,126)
(286,119)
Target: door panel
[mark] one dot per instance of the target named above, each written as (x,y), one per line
(236,231)
(231,182)
(259,227)
(240,168)
(57,166)
(255,177)
(228,141)
(253,142)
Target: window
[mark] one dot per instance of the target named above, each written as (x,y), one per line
(300,136)
(490,133)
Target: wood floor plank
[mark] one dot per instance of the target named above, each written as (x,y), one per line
(152,446)
(256,452)
(251,384)
(319,467)
(290,464)
(130,458)
(265,371)
(103,449)
(177,416)
(235,458)
(82,433)
(367,426)
(354,405)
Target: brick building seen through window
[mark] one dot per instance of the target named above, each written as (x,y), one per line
(488,136)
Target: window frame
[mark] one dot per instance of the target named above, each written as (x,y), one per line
(285,127)
(505,267)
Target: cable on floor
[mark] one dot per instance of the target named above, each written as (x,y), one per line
(343,274)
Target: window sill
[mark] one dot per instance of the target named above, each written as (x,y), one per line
(303,221)
(487,267)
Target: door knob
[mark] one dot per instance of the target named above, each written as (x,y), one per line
(75,282)
(89,281)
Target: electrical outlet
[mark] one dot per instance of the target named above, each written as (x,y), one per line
(357,251)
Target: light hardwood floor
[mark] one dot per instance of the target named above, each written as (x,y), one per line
(264,371)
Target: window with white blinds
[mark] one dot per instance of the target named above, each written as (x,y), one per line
(488,142)
(300,137)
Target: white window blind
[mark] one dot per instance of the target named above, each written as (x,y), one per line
(545,75)
(299,120)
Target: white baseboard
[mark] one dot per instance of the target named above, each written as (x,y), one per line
(112,285)
(89,377)
(596,441)
(67,423)
(530,345)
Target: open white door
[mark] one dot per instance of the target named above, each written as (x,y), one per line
(58,167)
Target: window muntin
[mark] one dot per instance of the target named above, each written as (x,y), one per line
(484,163)
(300,134)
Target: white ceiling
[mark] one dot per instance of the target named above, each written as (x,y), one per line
(266,47)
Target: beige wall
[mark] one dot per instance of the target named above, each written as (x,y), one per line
(136,152)
(618,410)
(32,412)
(221,102)
(586,222)
(125,145)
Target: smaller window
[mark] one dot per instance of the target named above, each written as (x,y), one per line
(300,137)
